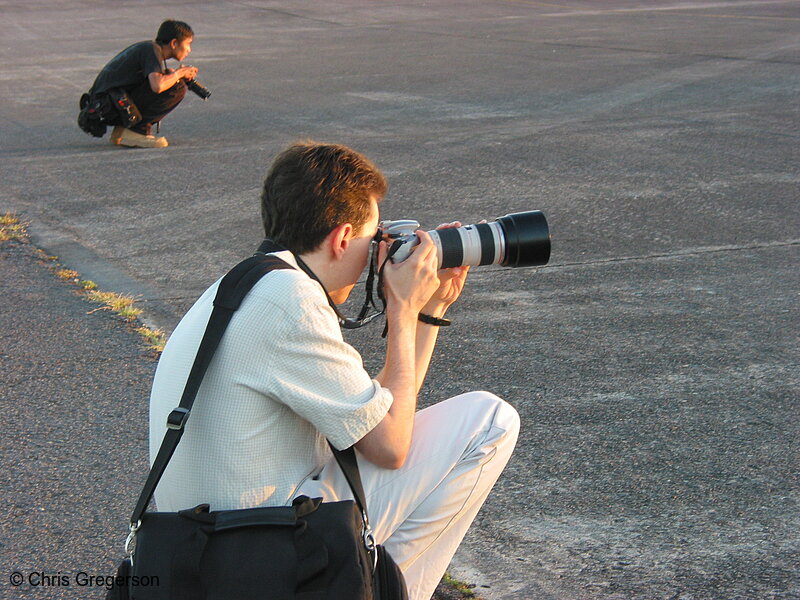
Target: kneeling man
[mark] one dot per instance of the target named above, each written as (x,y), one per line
(141,71)
(283,379)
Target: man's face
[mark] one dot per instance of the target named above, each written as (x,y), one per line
(180,50)
(357,254)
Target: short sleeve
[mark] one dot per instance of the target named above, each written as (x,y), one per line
(313,371)
(149,60)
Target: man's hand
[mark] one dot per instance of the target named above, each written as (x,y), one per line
(451,284)
(410,284)
(187,72)
(161,82)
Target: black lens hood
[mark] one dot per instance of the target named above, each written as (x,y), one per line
(527,239)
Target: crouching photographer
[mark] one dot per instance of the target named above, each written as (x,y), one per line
(283,385)
(136,89)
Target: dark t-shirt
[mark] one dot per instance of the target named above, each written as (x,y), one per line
(130,68)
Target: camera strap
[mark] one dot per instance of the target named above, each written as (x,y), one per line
(371,277)
(370,283)
(268,246)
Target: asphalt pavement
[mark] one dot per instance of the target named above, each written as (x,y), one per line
(654,361)
(75,383)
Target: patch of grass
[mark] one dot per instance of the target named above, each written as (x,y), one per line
(11,228)
(67,274)
(155,338)
(462,588)
(129,313)
(45,257)
(118,303)
(125,307)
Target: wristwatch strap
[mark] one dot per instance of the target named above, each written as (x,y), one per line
(433,320)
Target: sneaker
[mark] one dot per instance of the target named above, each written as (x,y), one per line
(116,134)
(133,139)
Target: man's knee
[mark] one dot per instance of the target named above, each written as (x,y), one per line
(491,410)
(494,424)
(505,417)
(176,93)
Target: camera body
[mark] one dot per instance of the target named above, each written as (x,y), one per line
(515,240)
(403,230)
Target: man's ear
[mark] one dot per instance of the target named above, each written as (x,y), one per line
(339,239)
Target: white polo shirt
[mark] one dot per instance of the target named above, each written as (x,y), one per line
(281,381)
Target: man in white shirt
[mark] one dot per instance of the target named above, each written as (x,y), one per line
(283,379)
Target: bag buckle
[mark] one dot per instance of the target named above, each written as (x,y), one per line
(130,542)
(177,418)
(371,546)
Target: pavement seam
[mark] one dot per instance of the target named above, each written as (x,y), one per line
(153,338)
(679,254)
(156,314)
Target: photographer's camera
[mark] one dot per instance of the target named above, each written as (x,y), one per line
(199,89)
(515,240)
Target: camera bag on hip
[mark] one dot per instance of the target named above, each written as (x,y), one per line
(312,550)
(114,107)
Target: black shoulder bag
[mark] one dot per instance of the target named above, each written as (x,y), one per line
(114,107)
(312,550)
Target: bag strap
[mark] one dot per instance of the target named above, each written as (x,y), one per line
(231,292)
(346,459)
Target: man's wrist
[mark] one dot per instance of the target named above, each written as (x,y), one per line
(400,315)
(435,309)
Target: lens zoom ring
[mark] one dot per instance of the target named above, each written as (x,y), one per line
(487,243)
(452,251)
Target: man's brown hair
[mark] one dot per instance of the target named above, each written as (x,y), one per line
(313,188)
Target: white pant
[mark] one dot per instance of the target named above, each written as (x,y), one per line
(422,511)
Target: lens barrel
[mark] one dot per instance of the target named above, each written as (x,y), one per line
(516,240)
(198,88)
(527,239)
